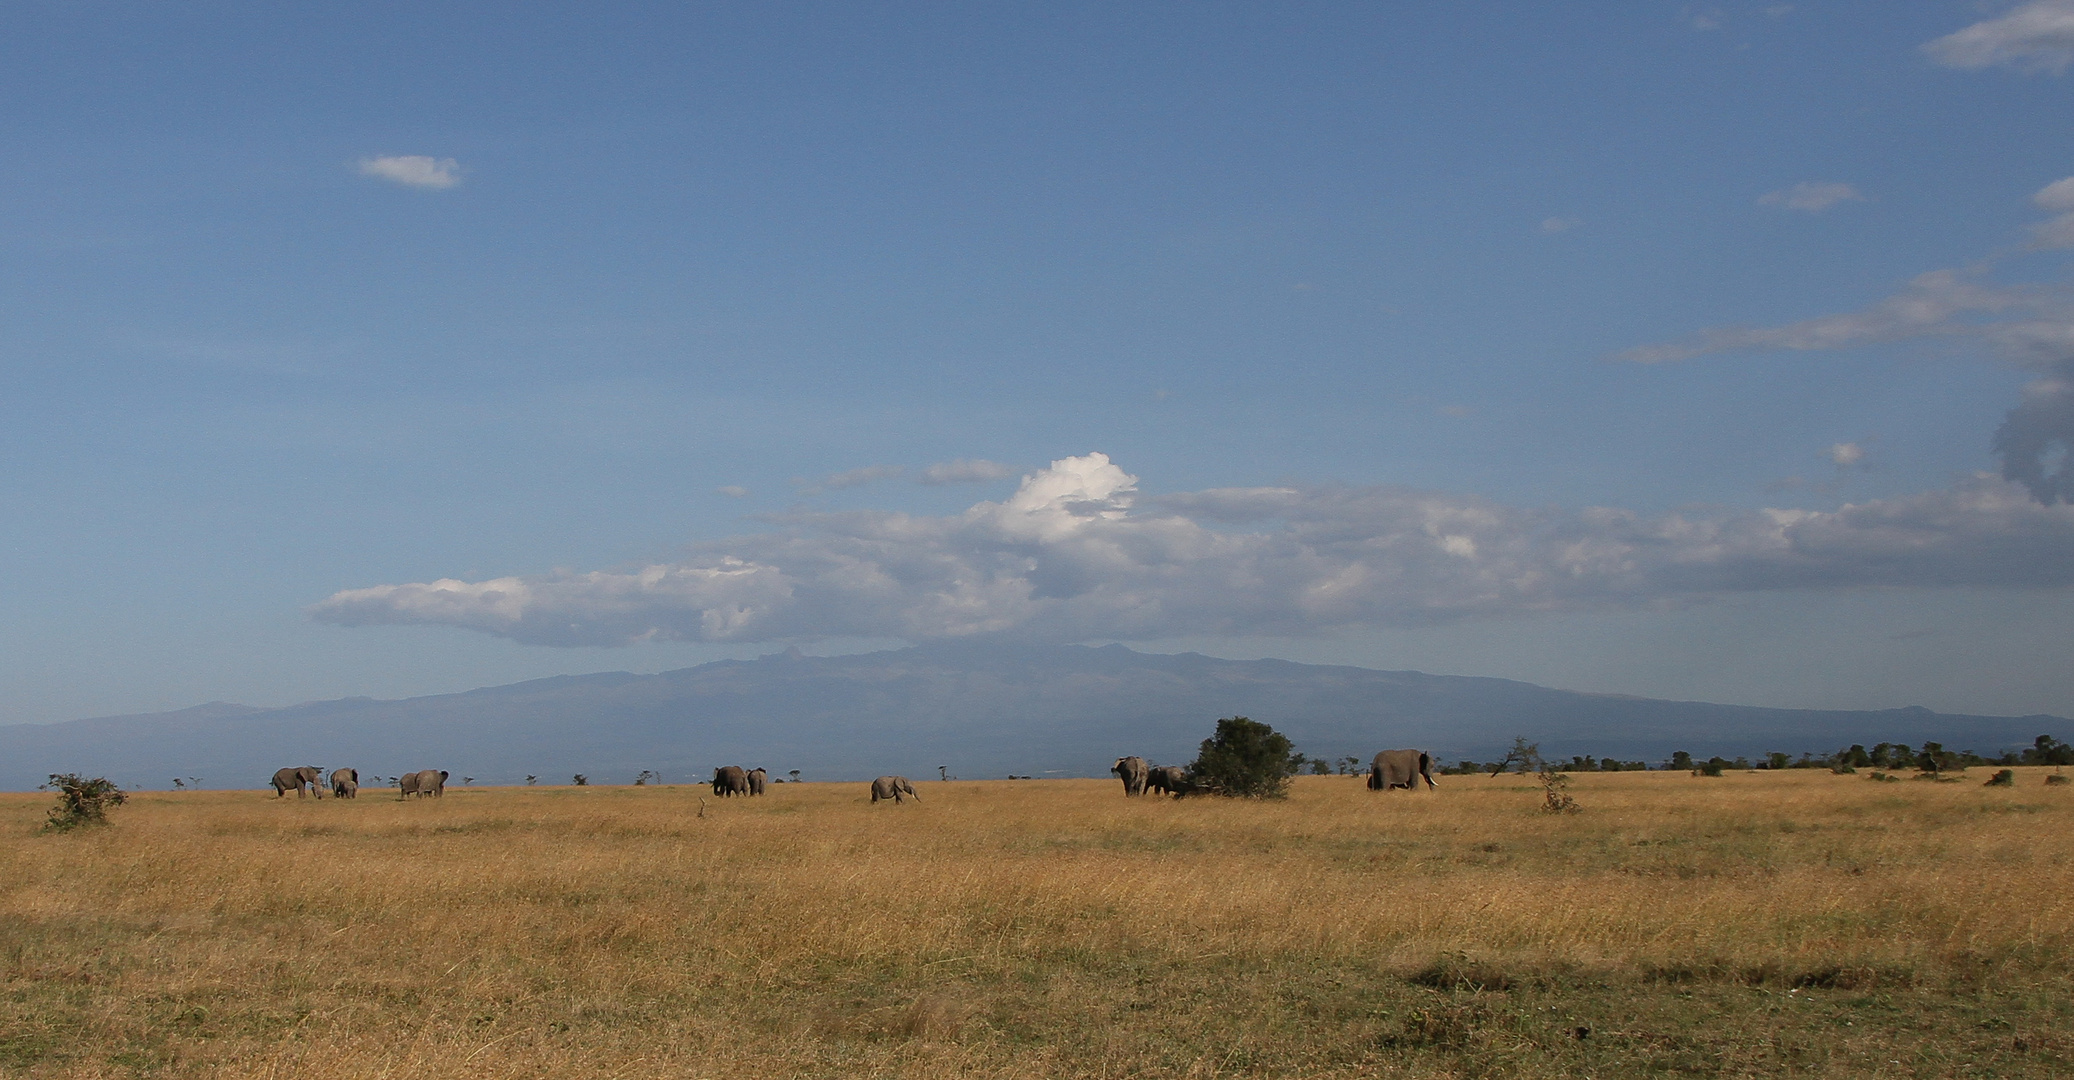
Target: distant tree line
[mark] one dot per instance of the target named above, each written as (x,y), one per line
(1930,757)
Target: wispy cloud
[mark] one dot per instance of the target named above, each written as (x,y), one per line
(1559,224)
(965,471)
(733,491)
(1812,197)
(1075,554)
(1846,455)
(414,169)
(1931,304)
(869,474)
(2059,231)
(2034,38)
(1705,18)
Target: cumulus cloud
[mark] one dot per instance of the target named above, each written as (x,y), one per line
(965,471)
(414,169)
(1812,197)
(2036,37)
(1076,554)
(1845,455)
(869,474)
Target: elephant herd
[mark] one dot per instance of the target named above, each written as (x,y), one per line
(1139,777)
(735,780)
(1390,769)
(345,783)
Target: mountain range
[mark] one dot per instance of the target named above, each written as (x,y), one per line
(976,711)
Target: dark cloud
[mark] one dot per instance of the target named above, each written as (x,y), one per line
(2035,440)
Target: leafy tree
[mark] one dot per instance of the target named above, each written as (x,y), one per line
(531,780)
(580,780)
(2046,750)
(1682,760)
(1245,758)
(1321,767)
(81,801)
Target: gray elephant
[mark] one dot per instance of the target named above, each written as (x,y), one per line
(426,782)
(1400,769)
(308,776)
(1132,769)
(1167,780)
(730,780)
(345,783)
(757,778)
(895,788)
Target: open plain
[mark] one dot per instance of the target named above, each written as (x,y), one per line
(1781,923)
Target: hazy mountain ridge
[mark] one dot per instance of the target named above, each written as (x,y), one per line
(980,710)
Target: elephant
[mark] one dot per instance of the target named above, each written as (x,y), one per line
(309,776)
(1167,780)
(345,783)
(757,778)
(1132,769)
(1400,769)
(427,782)
(893,787)
(730,780)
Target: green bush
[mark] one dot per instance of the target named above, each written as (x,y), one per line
(81,801)
(1246,759)
(2004,778)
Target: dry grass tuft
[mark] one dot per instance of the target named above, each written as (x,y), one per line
(1753,923)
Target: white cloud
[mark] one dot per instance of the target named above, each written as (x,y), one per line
(1075,555)
(733,491)
(414,169)
(2057,232)
(965,471)
(2036,37)
(869,474)
(1559,224)
(2058,195)
(1846,454)
(1812,197)
(1931,304)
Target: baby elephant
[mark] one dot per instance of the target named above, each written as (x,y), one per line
(345,783)
(894,788)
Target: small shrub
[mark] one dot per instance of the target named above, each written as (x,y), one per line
(81,801)
(580,780)
(2004,778)
(1244,759)
(1711,767)
(1882,778)
(2057,779)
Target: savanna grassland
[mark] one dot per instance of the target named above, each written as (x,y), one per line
(1753,924)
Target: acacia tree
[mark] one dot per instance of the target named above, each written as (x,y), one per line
(1245,758)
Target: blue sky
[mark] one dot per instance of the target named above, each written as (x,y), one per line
(1590,346)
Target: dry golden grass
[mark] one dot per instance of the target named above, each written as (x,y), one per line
(1765,923)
